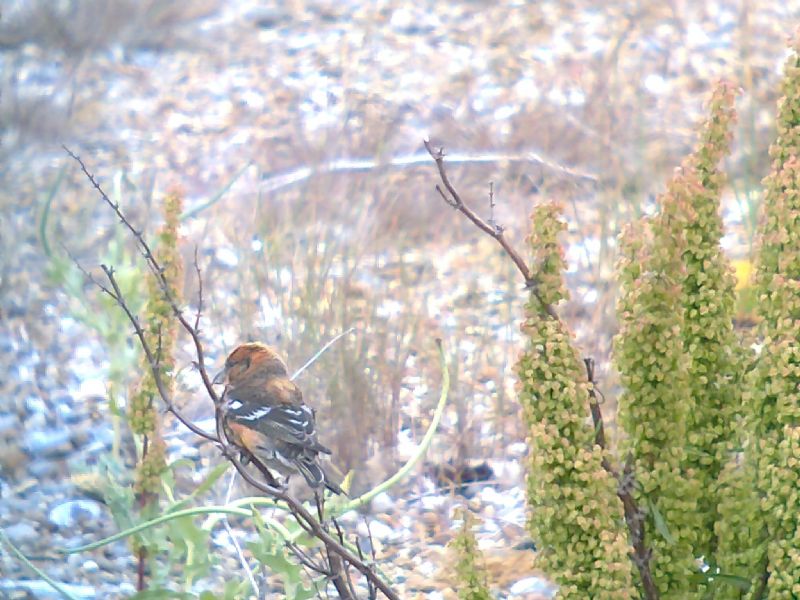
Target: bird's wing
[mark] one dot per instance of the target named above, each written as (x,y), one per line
(283,423)
(284,391)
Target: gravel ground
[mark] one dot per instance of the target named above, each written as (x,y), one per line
(327,103)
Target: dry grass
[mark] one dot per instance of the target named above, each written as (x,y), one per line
(78,27)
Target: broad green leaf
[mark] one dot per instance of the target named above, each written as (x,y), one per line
(660,523)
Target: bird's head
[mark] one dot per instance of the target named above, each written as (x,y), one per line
(251,364)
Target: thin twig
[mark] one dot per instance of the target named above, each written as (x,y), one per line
(372,592)
(199,292)
(158,271)
(453,198)
(321,351)
(594,405)
(634,517)
(346,571)
(337,569)
(492,222)
(303,517)
(152,360)
(306,560)
(456,202)
(239,553)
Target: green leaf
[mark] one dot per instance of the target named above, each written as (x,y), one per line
(51,194)
(212,478)
(189,547)
(237,589)
(660,523)
(270,551)
(740,583)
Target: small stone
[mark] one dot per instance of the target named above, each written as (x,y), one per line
(50,442)
(65,410)
(42,469)
(126,588)
(433,502)
(8,423)
(81,436)
(266,18)
(36,405)
(70,513)
(532,585)
(21,532)
(517,449)
(90,566)
(227,257)
(74,562)
(382,504)
(381,531)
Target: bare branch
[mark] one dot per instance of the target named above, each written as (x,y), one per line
(152,359)
(343,568)
(336,550)
(634,517)
(371,591)
(594,405)
(308,562)
(158,271)
(453,199)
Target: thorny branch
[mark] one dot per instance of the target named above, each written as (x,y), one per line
(453,198)
(305,519)
(158,272)
(634,516)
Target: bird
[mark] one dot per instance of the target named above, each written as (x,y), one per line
(265,414)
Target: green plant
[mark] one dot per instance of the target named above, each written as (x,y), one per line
(771,396)
(575,518)
(470,570)
(707,473)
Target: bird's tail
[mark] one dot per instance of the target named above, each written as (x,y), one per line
(316,477)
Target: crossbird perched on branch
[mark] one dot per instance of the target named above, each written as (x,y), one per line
(264,413)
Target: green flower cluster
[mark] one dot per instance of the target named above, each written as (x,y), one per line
(656,400)
(709,304)
(470,570)
(160,332)
(772,398)
(576,518)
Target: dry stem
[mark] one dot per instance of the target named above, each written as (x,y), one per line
(338,554)
(634,517)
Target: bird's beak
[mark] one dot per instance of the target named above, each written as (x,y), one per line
(220,377)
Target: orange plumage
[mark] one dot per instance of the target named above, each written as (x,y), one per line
(264,412)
